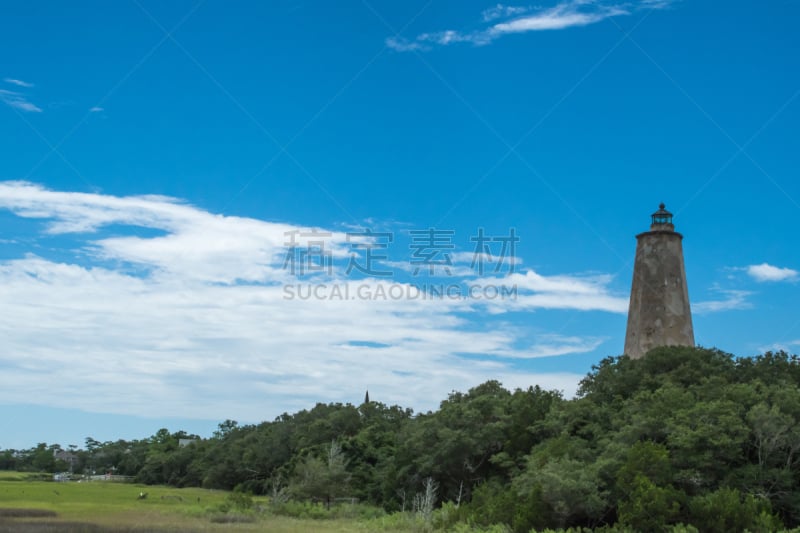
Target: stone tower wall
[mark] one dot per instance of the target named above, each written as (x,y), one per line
(659,312)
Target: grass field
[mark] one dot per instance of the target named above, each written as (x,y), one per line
(42,506)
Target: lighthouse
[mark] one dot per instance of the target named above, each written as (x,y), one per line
(659,312)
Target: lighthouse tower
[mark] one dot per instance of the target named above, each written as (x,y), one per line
(659,313)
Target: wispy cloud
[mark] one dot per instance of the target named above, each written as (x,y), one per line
(788,346)
(766,272)
(520,19)
(552,345)
(503,11)
(18,83)
(18,101)
(195,244)
(184,312)
(657,4)
(584,293)
(491,261)
(731,300)
(96,109)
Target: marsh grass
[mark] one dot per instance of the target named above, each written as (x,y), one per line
(26,513)
(233,518)
(100,507)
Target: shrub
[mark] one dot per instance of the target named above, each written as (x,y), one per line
(239,501)
(728,510)
(233,518)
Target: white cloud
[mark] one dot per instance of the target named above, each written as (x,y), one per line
(404,45)
(766,272)
(732,300)
(196,244)
(490,261)
(96,109)
(503,11)
(462,264)
(788,347)
(180,347)
(566,14)
(551,345)
(18,101)
(191,319)
(562,16)
(18,83)
(657,4)
(583,293)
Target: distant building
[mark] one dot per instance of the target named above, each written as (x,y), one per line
(659,312)
(68,457)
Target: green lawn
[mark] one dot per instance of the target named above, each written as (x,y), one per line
(104,506)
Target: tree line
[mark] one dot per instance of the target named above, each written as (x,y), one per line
(681,436)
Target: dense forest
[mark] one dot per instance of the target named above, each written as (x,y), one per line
(682,436)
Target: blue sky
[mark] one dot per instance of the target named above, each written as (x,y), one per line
(157,158)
